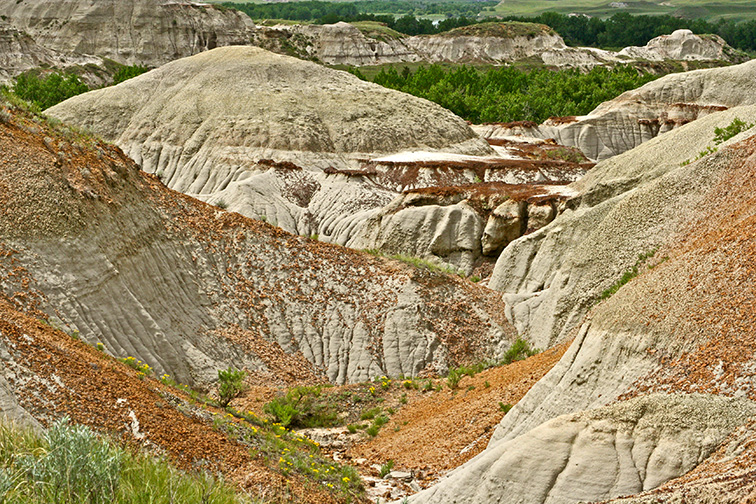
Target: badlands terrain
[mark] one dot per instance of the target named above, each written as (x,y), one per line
(514,313)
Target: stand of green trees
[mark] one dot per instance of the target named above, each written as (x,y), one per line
(504,94)
(314,10)
(623,29)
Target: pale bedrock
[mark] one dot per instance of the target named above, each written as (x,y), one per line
(446,234)
(615,450)
(627,206)
(204,123)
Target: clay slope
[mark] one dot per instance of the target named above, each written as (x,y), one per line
(637,116)
(677,341)
(108,251)
(145,32)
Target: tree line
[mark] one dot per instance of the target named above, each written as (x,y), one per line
(623,29)
(505,94)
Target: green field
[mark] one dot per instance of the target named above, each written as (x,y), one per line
(737,9)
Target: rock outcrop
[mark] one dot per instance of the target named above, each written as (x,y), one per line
(488,42)
(608,452)
(366,43)
(19,53)
(107,252)
(683,45)
(145,32)
(637,116)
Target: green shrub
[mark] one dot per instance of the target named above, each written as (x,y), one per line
(380,421)
(231,385)
(386,468)
(281,411)
(453,378)
(735,127)
(127,72)
(370,413)
(49,90)
(71,464)
(372,431)
(519,350)
(76,466)
(302,407)
(504,407)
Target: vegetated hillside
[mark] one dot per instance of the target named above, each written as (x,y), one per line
(641,114)
(145,32)
(107,251)
(660,375)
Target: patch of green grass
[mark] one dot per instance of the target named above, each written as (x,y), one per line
(377,31)
(370,413)
(70,464)
(386,468)
(627,275)
(519,350)
(736,127)
(504,407)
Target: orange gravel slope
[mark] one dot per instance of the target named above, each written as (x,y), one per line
(436,433)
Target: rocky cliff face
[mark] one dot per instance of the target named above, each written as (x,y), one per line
(146,32)
(108,251)
(347,44)
(637,116)
(490,42)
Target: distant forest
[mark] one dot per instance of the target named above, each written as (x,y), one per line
(618,31)
(504,94)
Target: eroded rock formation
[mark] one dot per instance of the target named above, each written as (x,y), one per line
(636,116)
(144,32)
(681,327)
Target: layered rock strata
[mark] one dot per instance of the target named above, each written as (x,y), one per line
(144,32)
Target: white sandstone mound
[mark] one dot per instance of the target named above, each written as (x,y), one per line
(110,255)
(681,45)
(616,450)
(258,131)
